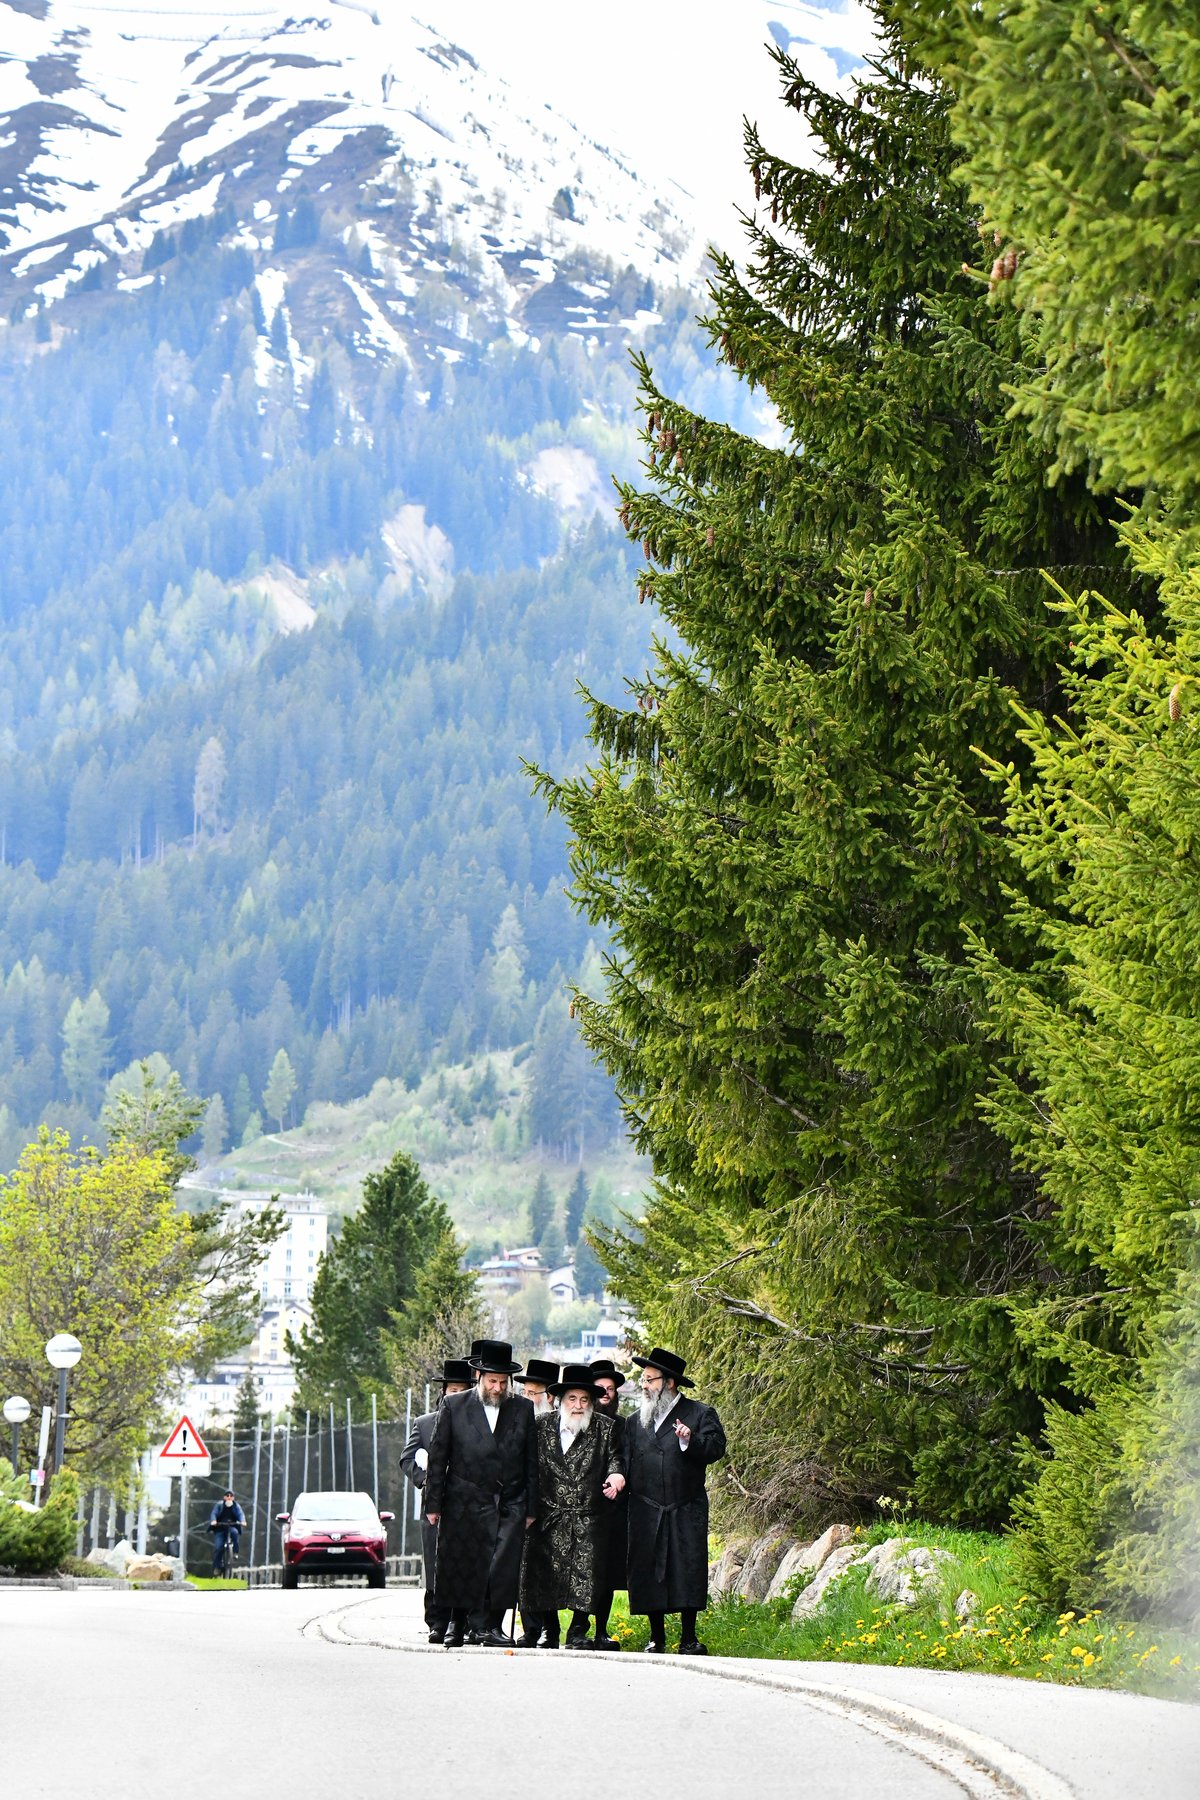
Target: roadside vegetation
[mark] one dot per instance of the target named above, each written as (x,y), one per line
(1009,1632)
(472,1126)
(896,839)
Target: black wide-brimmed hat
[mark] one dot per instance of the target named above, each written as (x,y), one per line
(667,1363)
(538,1369)
(604,1366)
(492,1357)
(575,1375)
(457,1368)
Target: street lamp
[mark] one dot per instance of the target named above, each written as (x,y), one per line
(62,1353)
(16,1411)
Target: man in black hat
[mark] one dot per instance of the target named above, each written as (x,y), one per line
(414,1462)
(481,1492)
(579,1472)
(668,1445)
(610,1380)
(535,1384)
(538,1628)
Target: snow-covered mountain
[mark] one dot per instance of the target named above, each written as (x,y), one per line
(121,123)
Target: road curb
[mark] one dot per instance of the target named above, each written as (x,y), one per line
(982,1766)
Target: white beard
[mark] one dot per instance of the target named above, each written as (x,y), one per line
(653,1408)
(575,1423)
(542,1405)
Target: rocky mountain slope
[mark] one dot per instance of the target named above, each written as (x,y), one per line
(123,125)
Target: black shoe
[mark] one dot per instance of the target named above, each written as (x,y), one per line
(528,1640)
(655,1648)
(692,1647)
(578,1640)
(437,1634)
(494,1640)
(470,1636)
(606,1643)
(546,1642)
(453,1639)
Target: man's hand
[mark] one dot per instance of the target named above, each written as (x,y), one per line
(613,1486)
(684,1434)
(433,1517)
(528,1523)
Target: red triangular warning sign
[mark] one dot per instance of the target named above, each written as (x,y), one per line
(184,1441)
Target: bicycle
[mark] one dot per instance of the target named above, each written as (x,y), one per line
(227,1556)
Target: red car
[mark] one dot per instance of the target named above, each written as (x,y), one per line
(334,1534)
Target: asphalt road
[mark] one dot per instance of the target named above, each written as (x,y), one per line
(332,1694)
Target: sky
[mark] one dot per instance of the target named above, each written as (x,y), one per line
(666,82)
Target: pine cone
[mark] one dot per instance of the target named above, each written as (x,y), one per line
(710,537)
(1175,703)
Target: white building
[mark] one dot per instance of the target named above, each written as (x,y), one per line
(291,1265)
(561,1283)
(286,1279)
(216,1396)
(605,1339)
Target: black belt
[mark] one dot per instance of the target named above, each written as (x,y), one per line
(660,1536)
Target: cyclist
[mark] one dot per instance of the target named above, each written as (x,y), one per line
(225,1521)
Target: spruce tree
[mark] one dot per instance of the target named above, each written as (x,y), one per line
(541,1210)
(576,1206)
(393,1269)
(1079,128)
(791,839)
(1100,1101)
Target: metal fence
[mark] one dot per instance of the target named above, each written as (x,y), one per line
(267,1468)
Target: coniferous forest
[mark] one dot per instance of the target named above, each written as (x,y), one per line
(220,839)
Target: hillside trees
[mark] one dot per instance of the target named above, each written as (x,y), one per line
(353,830)
(792,840)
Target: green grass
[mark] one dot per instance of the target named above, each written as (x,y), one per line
(472,1150)
(1011,1633)
(209,1582)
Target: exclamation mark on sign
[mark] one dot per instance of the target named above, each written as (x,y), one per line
(185,1440)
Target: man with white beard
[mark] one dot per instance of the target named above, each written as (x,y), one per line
(538,1629)
(667,1447)
(579,1476)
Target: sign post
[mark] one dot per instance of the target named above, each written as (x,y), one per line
(38,1475)
(184,1453)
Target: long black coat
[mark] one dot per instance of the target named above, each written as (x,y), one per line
(565,1553)
(484,1485)
(668,1508)
(617,1555)
(420,1438)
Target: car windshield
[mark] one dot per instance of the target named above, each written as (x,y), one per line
(316,1507)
